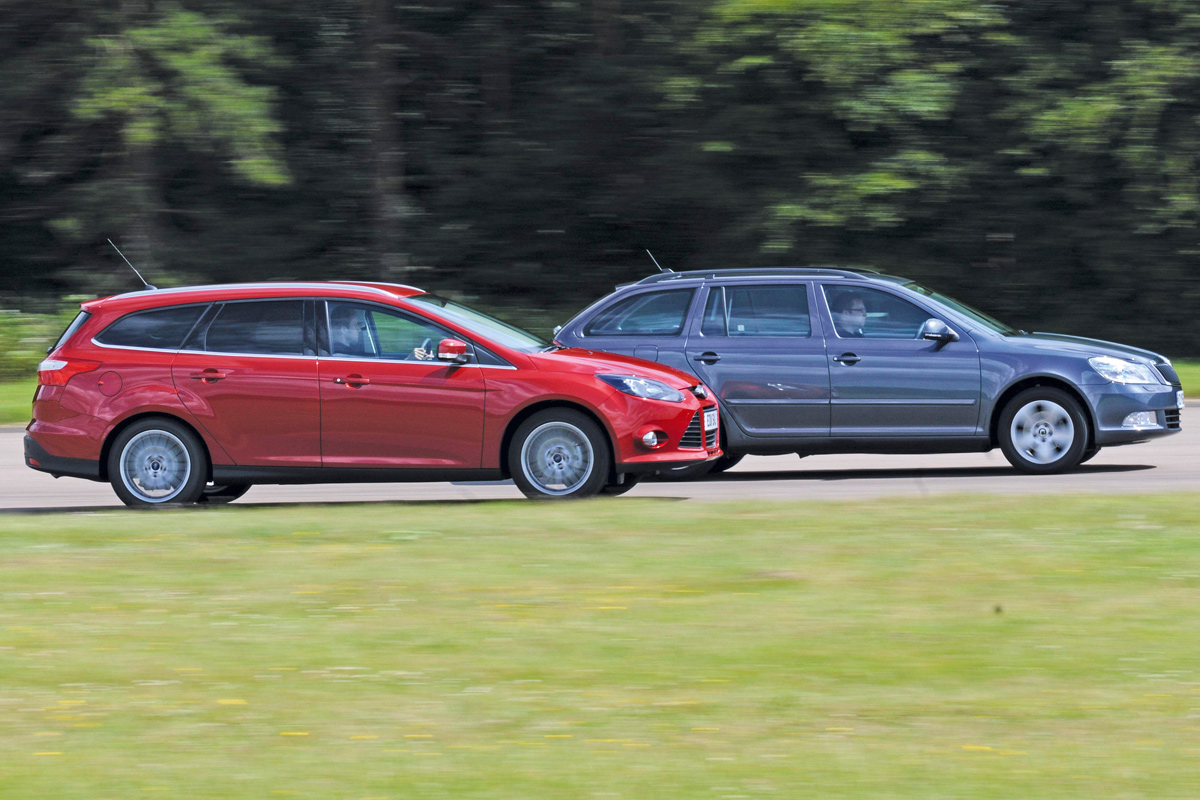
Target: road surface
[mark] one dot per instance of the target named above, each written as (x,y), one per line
(1171,464)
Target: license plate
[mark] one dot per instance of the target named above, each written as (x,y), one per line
(1179,398)
(710,418)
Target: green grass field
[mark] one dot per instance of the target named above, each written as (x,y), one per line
(1042,647)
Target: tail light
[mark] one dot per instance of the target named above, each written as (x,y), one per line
(57,371)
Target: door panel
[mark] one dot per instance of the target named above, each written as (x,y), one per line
(885,381)
(755,346)
(393,407)
(423,414)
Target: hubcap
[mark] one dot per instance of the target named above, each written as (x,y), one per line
(557,458)
(155,466)
(1042,431)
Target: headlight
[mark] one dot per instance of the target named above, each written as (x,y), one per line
(642,387)
(1118,370)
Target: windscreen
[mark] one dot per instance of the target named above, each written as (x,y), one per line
(486,326)
(973,314)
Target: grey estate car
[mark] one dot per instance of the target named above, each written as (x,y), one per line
(851,361)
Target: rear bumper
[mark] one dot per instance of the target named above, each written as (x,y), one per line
(37,458)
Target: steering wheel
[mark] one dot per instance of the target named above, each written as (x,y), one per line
(427,346)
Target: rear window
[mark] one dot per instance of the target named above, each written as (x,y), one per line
(160,329)
(272,327)
(650,313)
(75,325)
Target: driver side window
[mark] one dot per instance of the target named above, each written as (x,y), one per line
(861,313)
(361,331)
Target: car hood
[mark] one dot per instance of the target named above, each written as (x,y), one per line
(1082,346)
(577,360)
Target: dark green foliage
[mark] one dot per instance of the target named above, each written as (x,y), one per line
(1039,160)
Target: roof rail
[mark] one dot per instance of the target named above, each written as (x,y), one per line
(754,272)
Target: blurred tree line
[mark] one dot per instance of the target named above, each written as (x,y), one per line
(1039,160)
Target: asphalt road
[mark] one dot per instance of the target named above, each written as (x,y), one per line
(1171,464)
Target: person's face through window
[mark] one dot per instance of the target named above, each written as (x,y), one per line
(854,315)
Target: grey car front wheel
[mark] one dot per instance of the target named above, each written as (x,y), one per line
(1043,431)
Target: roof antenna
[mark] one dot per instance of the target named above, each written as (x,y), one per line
(655,260)
(132,267)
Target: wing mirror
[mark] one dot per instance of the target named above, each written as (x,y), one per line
(452,350)
(937,331)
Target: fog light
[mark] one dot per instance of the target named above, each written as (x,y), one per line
(654,439)
(1141,419)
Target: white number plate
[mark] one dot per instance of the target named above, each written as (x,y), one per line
(1179,398)
(710,417)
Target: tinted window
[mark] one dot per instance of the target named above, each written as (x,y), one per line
(872,314)
(272,327)
(776,310)
(162,328)
(371,332)
(655,313)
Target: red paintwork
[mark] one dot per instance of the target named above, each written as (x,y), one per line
(310,411)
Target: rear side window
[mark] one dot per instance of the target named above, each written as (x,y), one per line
(269,328)
(75,325)
(650,313)
(160,329)
(776,310)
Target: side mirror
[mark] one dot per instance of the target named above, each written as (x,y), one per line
(452,350)
(937,331)
(557,328)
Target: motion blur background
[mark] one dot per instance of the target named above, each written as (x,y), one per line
(1037,159)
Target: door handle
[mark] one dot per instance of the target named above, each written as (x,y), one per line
(353,381)
(208,376)
(849,359)
(708,358)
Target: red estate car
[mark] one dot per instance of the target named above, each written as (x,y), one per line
(194,395)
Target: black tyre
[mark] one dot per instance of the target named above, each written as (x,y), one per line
(559,454)
(614,489)
(725,462)
(157,462)
(1089,455)
(217,494)
(1043,431)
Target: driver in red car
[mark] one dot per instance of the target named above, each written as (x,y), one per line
(348,336)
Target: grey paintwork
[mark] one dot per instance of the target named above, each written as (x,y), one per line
(824,393)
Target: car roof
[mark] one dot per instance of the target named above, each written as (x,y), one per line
(851,273)
(153,298)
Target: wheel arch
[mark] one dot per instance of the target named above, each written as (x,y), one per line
(1047,381)
(126,423)
(525,413)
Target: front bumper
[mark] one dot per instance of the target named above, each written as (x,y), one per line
(1112,402)
(687,441)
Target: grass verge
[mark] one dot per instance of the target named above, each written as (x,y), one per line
(965,648)
(16,399)
(1189,375)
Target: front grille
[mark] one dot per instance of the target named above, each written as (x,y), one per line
(710,439)
(1169,374)
(694,435)
(1172,419)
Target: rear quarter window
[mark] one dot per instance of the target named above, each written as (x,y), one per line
(645,314)
(158,329)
